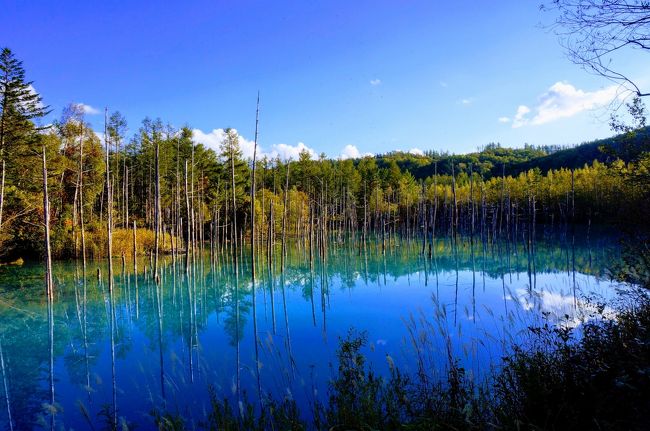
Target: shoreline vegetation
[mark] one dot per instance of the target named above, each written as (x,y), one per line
(161,192)
(561,378)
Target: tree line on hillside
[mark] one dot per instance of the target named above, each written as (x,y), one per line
(163,181)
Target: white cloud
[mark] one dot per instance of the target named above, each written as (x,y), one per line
(32,91)
(285,151)
(416,151)
(466,102)
(211,140)
(350,152)
(87,109)
(214,139)
(375,82)
(504,119)
(563,100)
(561,308)
(520,116)
(443,84)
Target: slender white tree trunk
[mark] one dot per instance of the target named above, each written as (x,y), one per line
(109,208)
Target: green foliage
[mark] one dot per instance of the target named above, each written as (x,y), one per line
(598,379)
(19,104)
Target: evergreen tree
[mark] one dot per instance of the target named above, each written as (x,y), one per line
(19,102)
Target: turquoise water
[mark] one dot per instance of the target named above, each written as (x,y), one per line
(152,346)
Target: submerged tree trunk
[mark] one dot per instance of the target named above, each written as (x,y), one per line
(4,381)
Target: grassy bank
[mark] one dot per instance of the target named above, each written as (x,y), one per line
(96,242)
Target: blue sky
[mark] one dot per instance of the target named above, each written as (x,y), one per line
(338,77)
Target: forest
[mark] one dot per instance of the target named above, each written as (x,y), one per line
(161,181)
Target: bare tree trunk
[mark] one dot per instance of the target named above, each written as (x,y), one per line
(284,217)
(81,202)
(257,119)
(187,222)
(503,190)
(270,236)
(135,250)
(311,236)
(454,213)
(179,231)
(435,208)
(109,209)
(193,211)
(157,217)
(234,204)
(573,197)
(2,149)
(126,197)
(2,191)
(365,217)
(49,284)
(471,197)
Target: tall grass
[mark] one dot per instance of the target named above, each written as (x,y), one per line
(596,377)
(96,241)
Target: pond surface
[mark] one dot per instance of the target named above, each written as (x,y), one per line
(149,346)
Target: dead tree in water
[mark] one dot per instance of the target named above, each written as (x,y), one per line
(503,192)
(423,217)
(471,197)
(270,235)
(454,212)
(177,209)
(234,202)
(187,222)
(284,216)
(193,211)
(2,191)
(135,250)
(257,119)
(81,200)
(157,217)
(49,284)
(109,208)
(255,332)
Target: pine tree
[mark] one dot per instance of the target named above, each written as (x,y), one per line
(19,102)
(19,105)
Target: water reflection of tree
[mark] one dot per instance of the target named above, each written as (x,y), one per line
(187,305)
